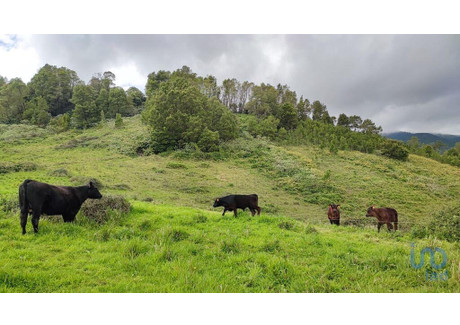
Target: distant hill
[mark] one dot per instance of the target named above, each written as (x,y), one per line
(425,138)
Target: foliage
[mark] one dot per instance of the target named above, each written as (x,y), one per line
(86,112)
(56,86)
(118,103)
(105,209)
(179,113)
(13,101)
(37,112)
(118,121)
(395,149)
(208,140)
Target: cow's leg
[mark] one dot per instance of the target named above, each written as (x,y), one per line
(389,226)
(235,213)
(253,211)
(225,210)
(35,218)
(379,225)
(258,211)
(396,225)
(24,215)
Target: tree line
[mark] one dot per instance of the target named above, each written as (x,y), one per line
(185,109)
(58,96)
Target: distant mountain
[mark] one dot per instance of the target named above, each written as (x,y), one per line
(426,138)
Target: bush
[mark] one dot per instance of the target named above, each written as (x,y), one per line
(209,140)
(61,172)
(118,121)
(103,210)
(446,224)
(395,150)
(7,167)
(9,204)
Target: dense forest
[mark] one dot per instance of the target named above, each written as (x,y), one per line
(184,110)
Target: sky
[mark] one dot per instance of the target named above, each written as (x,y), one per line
(402,82)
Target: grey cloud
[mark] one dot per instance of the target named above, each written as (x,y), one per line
(403,82)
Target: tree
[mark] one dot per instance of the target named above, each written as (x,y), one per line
(102,100)
(209,87)
(369,127)
(285,95)
(13,101)
(178,113)
(37,112)
(154,80)
(318,111)
(244,93)
(136,97)
(343,121)
(303,109)
(209,140)
(413,143)
(86,112)
(118,102)
(288,116)
(438,145)
(266,127)
(264,101)
(56,86)
(3,81)
(355,122)
(457,147)
(229,93)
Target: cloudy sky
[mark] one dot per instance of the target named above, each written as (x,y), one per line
(402,82)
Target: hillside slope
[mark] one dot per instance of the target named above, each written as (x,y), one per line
(174,241)
(294,181)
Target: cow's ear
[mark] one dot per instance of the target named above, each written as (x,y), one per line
(90,184)
(338,207)
(373,207)
(217,200)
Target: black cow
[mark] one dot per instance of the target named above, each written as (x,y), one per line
(233,202)
(38,198)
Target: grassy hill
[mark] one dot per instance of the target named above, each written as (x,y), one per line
(173,240)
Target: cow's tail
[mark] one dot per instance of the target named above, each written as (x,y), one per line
(23,201)
(396,220)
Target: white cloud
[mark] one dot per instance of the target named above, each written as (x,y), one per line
(128,75)
(18,59)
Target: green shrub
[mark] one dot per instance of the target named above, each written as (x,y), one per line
(395,150)
(61,172)
(446,224)
(209,140)
(105,209)
(118,121)
(7,167)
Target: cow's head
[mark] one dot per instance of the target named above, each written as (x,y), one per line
(334,208)
(93,192)
(371,212)
(217,203)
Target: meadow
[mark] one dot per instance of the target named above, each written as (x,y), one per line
(174,241)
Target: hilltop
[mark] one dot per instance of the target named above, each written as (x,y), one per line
(426,138)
